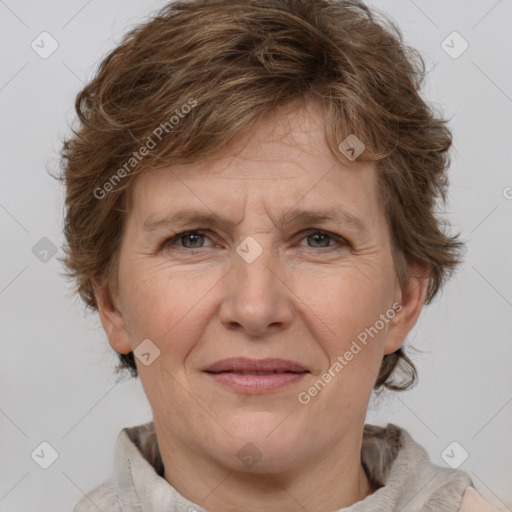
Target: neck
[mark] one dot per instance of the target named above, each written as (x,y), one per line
(329,482)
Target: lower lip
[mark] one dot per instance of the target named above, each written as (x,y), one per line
(256,383)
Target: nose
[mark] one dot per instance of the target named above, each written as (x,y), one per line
(257,298)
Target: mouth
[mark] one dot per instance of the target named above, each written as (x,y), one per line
(254,376)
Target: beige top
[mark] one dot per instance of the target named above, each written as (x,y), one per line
(406,479)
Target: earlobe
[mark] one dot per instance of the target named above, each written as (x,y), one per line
(411,298)
(111,318)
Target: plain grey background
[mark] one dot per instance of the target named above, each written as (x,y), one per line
(56,370)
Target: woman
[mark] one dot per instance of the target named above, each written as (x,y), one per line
(251,202)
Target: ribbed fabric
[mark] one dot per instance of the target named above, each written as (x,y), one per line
(406,479)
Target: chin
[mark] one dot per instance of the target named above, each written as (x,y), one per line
(262,442)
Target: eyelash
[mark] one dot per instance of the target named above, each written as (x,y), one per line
(169,241)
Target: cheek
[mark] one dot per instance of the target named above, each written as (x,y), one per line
(352,307)
(347,306)
(164,305)
(342,303)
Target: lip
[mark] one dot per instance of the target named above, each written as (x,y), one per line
(255,375)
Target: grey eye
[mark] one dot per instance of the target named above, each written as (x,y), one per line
(319,238)
(196,240)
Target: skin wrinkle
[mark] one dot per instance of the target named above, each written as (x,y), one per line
(214,305)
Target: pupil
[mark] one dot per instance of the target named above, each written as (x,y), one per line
(192,236)
(318,236)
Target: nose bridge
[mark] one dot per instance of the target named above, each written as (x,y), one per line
(256,298)
(253,264)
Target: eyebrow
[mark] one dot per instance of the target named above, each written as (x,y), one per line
(208,219)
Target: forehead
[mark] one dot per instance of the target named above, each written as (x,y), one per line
(281,165)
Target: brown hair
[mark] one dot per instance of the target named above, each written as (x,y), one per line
(184,84)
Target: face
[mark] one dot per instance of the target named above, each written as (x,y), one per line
(256,316)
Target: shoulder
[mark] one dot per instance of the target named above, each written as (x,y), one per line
(102,497)
(473,502)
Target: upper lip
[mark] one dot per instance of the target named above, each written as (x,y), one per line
(242,364)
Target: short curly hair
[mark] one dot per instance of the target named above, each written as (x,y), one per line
(185,83)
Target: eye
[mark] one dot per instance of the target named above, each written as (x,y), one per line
(195,240)
(190,239)
(321,239)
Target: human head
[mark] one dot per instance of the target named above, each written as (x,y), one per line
(190,81)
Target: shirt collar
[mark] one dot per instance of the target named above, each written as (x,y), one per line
(394,462)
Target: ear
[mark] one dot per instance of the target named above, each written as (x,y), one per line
(111,318)
(411,297)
